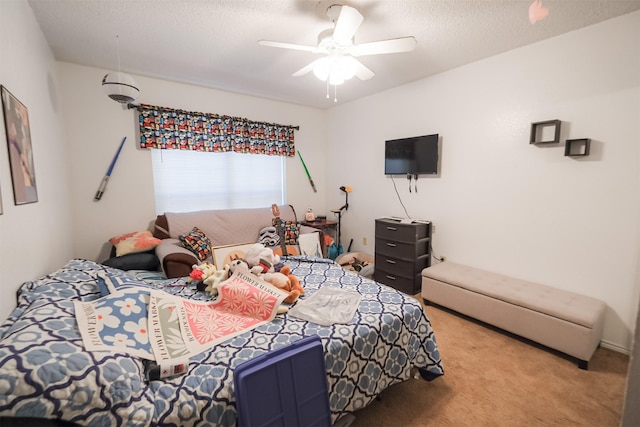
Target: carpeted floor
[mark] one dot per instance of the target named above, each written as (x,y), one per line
(495,379)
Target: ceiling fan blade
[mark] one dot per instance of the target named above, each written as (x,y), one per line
(281,45)
(403,44)
(347,24)
(306,69)
(362,72)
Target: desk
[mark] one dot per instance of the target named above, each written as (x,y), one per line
(327,227)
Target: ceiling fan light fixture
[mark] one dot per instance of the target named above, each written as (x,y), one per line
(322,68)
(335,79)
(335,68)
(345,66)
(337,43)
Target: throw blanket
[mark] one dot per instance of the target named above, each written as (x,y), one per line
(155,325)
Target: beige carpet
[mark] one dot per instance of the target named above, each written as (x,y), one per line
(494,379)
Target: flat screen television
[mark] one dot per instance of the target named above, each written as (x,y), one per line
(413,156)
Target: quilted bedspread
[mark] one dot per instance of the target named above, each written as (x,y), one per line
(46,372)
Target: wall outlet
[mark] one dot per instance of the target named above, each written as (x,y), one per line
(433,228)
(364,241)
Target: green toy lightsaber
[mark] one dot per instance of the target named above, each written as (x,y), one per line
(308,174)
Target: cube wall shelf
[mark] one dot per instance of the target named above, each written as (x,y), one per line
(547,132)
(577,147)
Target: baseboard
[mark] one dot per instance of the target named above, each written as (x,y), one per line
(615,347)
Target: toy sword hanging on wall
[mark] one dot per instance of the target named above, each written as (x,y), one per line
(308,174)
(105,180)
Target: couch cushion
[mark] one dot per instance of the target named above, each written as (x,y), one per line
(134,242)
(289,230)
(228,226)
(559,303)
(197,242)
(269,237)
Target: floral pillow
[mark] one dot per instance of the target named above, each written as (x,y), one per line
(197,242)
(138,241)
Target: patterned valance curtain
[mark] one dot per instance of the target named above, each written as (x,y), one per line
(166,128)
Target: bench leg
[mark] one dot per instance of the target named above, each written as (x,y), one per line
(583,364)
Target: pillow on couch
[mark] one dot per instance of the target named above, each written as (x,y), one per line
(130,243)
(291,231)
(197,242)
(269,237)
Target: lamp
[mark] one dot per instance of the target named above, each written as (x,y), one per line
(346,190)
(338,212)
(120,87)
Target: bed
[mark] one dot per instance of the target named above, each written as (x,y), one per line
(46,372)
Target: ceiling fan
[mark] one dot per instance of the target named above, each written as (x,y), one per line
(339,62)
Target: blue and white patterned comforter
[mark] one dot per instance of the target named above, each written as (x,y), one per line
(45,371)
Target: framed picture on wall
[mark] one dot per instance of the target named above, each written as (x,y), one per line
(16,123)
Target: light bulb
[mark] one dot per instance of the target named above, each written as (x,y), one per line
(335,78)
(345,66)
(323,68)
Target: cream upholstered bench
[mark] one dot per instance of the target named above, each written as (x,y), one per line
(558,319)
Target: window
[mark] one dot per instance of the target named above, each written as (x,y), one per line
(187,181)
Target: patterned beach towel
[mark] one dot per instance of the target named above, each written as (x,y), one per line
(155,325)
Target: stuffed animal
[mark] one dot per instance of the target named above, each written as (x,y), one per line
(261,259)
(209,276)
(238,263)
(295,282)
(287,282)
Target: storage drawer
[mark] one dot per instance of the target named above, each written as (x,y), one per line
(395,249)
(394,230)
(409,285)
(401,267)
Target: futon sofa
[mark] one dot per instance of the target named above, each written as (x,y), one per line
(222,227)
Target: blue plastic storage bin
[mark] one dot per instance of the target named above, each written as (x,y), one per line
(285,387)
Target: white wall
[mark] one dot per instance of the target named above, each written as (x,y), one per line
(35,238)
(500,203)
(95,125)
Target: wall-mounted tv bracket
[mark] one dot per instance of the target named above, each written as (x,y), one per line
(415,185)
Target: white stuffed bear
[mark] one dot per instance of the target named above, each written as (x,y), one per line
(261,259)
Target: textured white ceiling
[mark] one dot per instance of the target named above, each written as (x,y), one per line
(213,43)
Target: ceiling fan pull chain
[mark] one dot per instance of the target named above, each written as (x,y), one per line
(327,88)
(335,93)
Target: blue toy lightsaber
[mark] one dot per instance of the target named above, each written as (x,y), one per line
(105,180)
